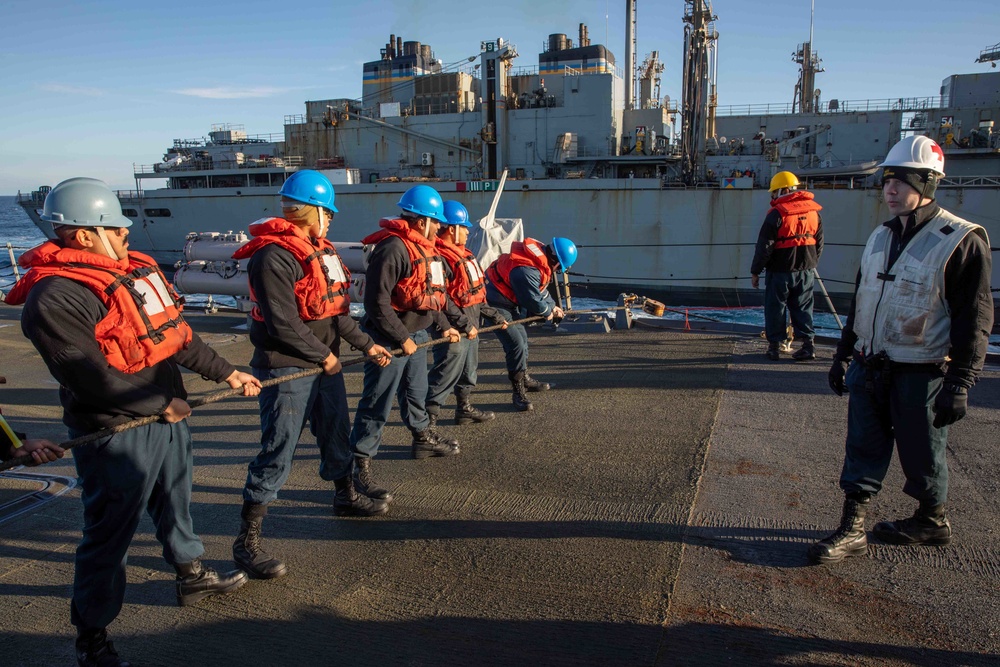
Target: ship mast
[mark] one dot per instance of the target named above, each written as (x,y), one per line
(806,98)
(630,54)
(699,95)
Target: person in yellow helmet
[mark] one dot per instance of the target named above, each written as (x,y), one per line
(788,249)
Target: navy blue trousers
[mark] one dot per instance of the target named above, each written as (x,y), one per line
(514,340)
(898,412)
(284,410)
(788,294)
(143,469)
(405,377)
(455,368)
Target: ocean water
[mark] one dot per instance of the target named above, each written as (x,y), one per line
(16,229)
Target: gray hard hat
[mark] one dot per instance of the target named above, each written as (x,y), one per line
(84,202)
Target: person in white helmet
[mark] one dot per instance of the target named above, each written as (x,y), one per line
(914,343)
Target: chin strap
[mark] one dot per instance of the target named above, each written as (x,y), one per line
(103,235)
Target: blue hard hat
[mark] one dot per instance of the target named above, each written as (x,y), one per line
(456,214)
(309,187)
(423,200)
(565,251)
(83,202)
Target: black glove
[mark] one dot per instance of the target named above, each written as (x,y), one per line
(950,404)
(838,371)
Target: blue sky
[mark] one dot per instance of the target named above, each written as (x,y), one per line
(89,88)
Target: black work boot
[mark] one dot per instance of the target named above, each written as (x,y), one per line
(348,502)
(196,582)
(248,554)
(806,352)
(928,525)
(94,650)
(850,538)
(426,443)
(467,413)
(531,384)
(772,352)
(364,481)
(520,394)
(433,412)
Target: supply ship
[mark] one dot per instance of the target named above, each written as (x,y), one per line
(660,196)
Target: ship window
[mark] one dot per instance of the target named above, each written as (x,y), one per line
(158,212)
(130,213)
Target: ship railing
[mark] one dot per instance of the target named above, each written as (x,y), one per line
(834,106)
(249,162)
(523,71)
(269,138)
(970,182)
(35,197)
(128,195)
(583,152)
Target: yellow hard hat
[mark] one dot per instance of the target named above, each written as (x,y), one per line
(783,179)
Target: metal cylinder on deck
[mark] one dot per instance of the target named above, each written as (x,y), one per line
(205,277)
(213,246)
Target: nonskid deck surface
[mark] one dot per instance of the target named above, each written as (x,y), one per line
(654,509)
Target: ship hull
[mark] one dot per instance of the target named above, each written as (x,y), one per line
(688,245)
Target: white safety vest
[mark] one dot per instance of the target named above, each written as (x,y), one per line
(903,312)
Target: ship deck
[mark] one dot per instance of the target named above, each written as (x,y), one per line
(654,510)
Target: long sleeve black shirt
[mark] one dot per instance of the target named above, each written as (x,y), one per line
(283,339)
(966,289)
(59,317)
(784,260)
(389,263)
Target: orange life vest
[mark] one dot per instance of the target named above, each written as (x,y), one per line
(425,288)
(467,286)
(322,291)
(799,219)
(144,325)
(527,253)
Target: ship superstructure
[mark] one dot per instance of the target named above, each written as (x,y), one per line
(659,195)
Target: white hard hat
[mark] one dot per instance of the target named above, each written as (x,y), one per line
(916,153)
